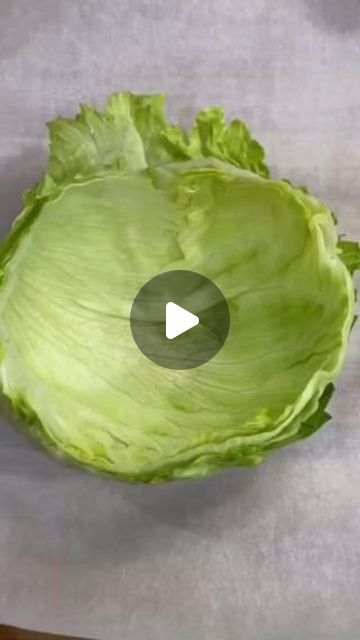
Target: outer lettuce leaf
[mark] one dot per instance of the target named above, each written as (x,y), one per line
(133,132)
(350,255)
(211,137)
(129,195)
(95,141)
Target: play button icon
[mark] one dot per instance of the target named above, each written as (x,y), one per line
(179,319)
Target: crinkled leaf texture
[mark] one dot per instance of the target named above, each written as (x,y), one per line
(127,196)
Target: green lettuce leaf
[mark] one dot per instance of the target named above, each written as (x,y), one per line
(350,255)
(128,195)
(133,132)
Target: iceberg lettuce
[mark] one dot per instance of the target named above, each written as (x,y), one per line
(127,196)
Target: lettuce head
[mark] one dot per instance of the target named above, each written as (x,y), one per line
(127,196)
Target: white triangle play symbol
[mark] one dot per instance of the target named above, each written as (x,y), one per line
(178,320)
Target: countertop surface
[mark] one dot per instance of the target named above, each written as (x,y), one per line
(271,553)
